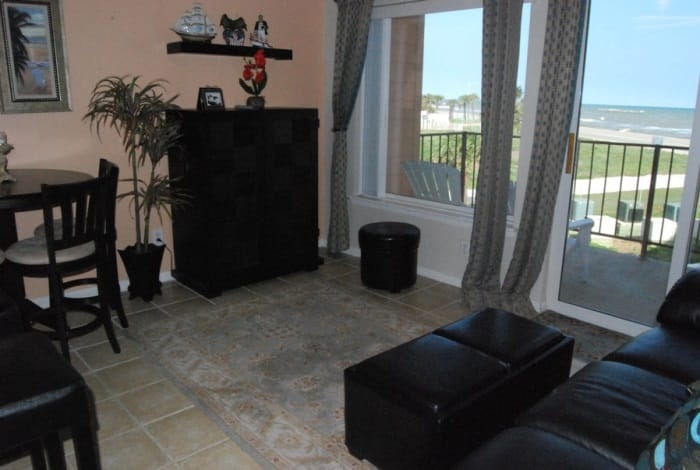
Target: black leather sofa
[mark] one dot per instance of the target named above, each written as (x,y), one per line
(611,412)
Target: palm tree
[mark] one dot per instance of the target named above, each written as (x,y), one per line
(430,102)
(468,100)
(18,20)
(452,104)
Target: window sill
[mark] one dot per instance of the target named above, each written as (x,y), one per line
(409,206)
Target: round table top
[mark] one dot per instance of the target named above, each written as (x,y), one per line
(25,193)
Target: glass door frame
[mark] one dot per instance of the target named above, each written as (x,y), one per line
(554,265)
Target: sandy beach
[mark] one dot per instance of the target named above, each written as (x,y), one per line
(439,122)
(607,135)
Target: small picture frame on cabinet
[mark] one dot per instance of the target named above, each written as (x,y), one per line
(210,99)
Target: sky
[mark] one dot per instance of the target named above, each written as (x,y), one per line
(640,52)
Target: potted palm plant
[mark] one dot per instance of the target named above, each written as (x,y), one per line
(137,113)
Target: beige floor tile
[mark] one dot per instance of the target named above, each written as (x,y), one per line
(92,338)
(173,292)
(185,433)
(233,296)
(427,299)
(145,318)
(101,355)
(130,451)
(128,376)
(187,307)
(450,313)
(113,419)
(24,463)
(77,362)
(450,292)
(97,387)
(221,456)
(333,270)
(134,305)
(155,401)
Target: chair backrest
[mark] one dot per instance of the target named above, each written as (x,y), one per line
(434,181)
(81,210)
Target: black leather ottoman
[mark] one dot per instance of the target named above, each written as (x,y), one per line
(389,254)
(428,402)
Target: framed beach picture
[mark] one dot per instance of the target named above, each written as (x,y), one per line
(33,75)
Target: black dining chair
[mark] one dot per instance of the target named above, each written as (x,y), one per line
(43,400)
(82,246)
(109,267)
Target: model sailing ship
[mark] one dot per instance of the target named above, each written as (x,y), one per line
(195,25)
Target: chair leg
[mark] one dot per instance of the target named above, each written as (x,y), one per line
(54,452)
(36,454)
(115,297)
(62,332)
(104,295)
(87,451)
(116,303)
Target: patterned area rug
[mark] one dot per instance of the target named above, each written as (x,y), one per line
(591,342)
(271,369)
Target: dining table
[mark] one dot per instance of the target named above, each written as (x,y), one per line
(24,194)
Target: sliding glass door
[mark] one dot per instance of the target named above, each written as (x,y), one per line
(628,213)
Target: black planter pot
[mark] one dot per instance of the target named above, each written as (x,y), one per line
(143,269)
(256,102)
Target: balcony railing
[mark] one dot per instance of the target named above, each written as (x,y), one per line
(631,191)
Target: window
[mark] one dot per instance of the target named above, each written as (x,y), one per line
(422,89)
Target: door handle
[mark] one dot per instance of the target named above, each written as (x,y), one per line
(570,153)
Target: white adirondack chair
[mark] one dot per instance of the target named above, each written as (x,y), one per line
(434,181)
(580,241)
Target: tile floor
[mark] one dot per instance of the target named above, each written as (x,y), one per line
(147,422)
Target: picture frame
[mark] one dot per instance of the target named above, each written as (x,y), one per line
(33,73)
(210,99)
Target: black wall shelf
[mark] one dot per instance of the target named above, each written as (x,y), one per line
(189,47)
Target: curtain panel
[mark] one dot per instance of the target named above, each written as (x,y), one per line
(501,46)
(555,102)
(352,30)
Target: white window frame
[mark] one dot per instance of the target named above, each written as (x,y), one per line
(384,11)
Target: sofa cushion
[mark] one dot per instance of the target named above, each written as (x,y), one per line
(535,449)
(682,304)
(614,409)
(678,443)
(659,350)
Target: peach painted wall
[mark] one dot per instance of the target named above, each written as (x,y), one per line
(107,37)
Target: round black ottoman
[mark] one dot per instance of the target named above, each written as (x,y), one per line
(389,254)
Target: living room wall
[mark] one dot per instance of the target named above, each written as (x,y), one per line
(104,37)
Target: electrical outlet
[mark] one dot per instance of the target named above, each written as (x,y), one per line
(157,237)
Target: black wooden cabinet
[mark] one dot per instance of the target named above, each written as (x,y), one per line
(253,177)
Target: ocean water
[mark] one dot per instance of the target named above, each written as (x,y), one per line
(667,122)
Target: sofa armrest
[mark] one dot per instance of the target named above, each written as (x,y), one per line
(682,304)
(10,316)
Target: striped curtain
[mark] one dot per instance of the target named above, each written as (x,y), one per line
(562,49)
(352,29)
(501,44)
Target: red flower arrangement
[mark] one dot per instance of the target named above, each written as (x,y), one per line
(254,72)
